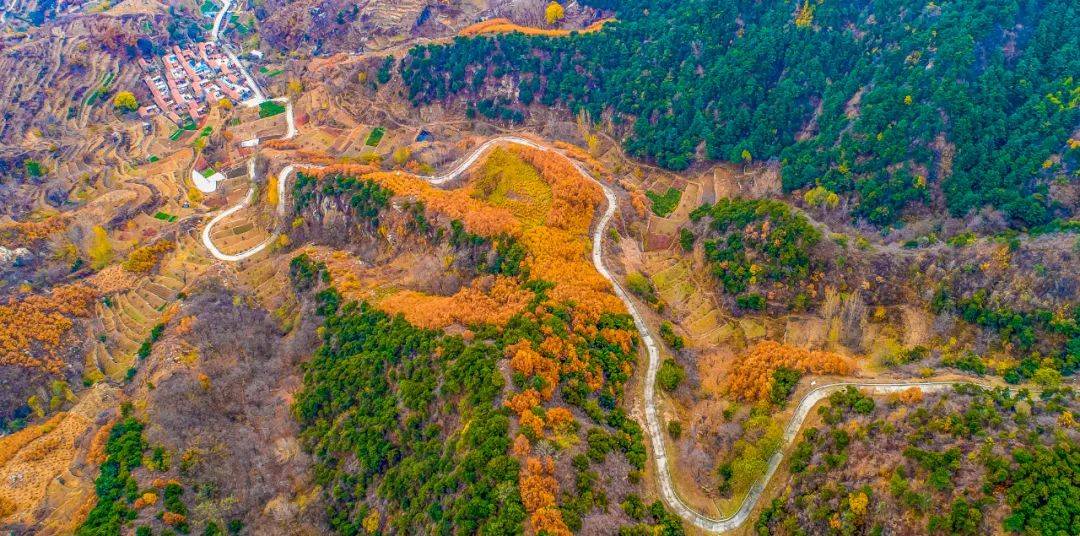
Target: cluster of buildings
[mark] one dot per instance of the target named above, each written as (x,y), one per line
(185,82)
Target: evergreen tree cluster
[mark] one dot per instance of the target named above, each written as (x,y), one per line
(884,102)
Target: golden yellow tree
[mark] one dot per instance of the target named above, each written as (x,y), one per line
(295,86)
(101,250)
(272,191)
(804,16)
(125,101)
(372,521)
(144,259)
(554,13)
(402,155)
(819,196)
(858,502)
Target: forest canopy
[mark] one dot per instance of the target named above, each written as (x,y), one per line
(892,104)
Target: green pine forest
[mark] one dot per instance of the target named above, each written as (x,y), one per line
(900,106)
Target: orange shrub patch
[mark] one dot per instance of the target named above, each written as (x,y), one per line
(575,197)
(172,519)
(23,234)
(751,376)
(479,303)
(10,445)
(910,397)
(558,256)
(478,217)
(502,25)
(96,453)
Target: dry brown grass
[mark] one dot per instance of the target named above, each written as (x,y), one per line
(31,465)
(112,279)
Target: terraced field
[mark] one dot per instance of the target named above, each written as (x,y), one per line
(661,231)
(168,178)
(704,322)
(239,231)
(267,276)
(125,319)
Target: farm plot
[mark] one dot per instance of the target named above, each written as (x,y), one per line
(267,276)
(126,318)
(704,323)
(239,232)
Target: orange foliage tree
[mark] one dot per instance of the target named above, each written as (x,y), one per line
(549,521)
(538,491)
(144,259)
(524,401)
(532,424)
(752,375)
(560,419)
(521,447)
(538,485)
(522,357)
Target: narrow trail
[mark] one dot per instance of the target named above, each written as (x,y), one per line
(652,421)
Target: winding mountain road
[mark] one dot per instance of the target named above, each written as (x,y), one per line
(458,168)
(652,421)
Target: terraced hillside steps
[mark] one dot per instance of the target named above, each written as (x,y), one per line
(127,322)
(675,282)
